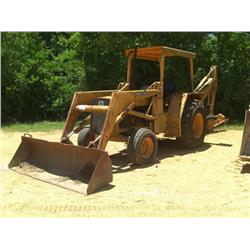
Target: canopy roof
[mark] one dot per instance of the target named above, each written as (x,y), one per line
(155,53)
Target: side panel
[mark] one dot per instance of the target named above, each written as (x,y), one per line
(160,123)
(174,115)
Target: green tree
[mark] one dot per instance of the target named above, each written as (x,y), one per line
(234,73)
(22,55)
(38,81)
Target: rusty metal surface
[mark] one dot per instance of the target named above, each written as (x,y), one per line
(216,121)
(175,112)
(76,168)
(92,108)
(156,52)
(245,145)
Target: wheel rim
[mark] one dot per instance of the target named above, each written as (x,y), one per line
(198,125)
(147,147)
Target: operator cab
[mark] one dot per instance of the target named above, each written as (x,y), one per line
(158,64)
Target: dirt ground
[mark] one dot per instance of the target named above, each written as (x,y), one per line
(206,182)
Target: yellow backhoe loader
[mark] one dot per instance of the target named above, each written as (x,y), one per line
(131,114)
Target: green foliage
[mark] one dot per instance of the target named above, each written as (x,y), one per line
(38,81)
(103,55)
(234,73)
(41,71)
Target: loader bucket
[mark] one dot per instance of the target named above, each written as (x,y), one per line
(245,145)
(80,169)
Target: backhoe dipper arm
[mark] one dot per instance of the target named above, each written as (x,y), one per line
(208,87)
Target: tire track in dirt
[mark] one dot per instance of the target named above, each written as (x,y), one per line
(108,210)
(55,209)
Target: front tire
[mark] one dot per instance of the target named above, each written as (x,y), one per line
(84,137)
(142,146)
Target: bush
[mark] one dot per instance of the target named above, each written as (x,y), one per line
(38,81)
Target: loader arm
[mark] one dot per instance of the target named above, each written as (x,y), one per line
(84,98)
(121,104)
(80,98)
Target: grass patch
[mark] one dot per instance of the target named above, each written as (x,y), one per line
(47,126)
(231,126)
(44,126)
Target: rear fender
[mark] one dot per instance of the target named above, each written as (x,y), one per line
(175,112)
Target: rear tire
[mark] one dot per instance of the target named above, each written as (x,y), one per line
(142,146)
(84,137)
(193,125)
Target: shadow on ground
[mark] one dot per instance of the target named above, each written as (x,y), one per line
(167,148)
(217,131)
(105,188)
(245,169)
